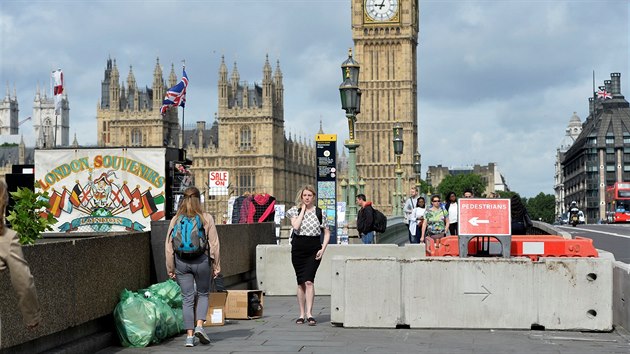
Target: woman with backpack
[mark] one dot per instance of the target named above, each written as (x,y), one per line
(192,259)
(307,249)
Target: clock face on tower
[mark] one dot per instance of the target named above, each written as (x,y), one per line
(381,10)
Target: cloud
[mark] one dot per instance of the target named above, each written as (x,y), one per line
(497,80)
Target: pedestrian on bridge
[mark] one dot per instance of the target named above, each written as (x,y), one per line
(416,218)
(436,222)
(11,257)
(193,274)
(451,206)
(365,220)
(307,248)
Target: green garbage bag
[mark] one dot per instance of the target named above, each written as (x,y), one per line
(169,291)
(166,325)
(135,319)
(179,317)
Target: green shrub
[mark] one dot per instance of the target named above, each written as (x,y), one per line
(29,216)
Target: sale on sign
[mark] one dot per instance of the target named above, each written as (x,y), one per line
(218,181)
(490,217)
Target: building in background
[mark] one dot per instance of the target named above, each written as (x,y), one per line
(573,130)
(600,155)
(9,113)
(385,45)
(51,129)
(129,116)
(247,139)
(490,175)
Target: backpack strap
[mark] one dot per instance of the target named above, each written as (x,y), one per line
(320,217)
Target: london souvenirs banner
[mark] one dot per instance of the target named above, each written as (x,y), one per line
(102,190)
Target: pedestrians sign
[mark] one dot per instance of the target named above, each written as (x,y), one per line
(484,217)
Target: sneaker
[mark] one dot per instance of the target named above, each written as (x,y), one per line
(201,334)
(190,341)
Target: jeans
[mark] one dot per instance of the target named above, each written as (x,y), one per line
(415,238)
(368,238)
(190,273)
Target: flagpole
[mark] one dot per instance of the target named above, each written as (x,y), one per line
(183,113)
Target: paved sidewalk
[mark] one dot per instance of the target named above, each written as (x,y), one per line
(276,332)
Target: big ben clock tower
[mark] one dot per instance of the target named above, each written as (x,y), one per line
(385,34)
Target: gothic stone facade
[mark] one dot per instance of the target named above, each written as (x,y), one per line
(247,139)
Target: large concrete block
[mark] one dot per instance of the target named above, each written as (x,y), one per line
(467,293)
(574,293)
(621,295)
(337,290)
(372,293)
(274,271)
(278,277)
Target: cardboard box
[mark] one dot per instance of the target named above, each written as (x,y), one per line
(216,309)
(238,304)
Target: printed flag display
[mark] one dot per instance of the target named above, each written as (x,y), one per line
(176,95)
(148,204)
(57,88)
(75,196)
(603,94)
(136,201)
(105,190)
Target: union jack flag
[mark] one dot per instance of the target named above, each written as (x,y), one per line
(603,94)
(176,95)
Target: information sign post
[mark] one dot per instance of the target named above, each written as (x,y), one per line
(326,150)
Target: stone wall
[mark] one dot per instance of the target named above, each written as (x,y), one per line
(77,281)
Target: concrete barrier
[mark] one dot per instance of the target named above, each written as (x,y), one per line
(621,294)
(515,293)
(276,276)
(77,281)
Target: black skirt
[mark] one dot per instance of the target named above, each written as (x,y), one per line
(303,252)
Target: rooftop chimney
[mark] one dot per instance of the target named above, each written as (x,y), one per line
(615,87)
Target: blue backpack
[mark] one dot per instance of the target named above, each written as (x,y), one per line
(189,237)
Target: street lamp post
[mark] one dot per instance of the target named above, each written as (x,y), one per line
(417,168)
(398,150)
(351,103)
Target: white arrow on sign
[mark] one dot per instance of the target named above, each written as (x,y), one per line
(474,221)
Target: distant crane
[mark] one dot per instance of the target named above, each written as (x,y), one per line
(23,120)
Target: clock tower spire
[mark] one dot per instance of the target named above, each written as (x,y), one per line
(385,34)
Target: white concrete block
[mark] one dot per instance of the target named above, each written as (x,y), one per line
(621,294)
(467,293)
(372,293)
(574,293)
(274,271)
(276,276)
(337,290)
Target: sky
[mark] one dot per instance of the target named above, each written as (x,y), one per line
(498,80)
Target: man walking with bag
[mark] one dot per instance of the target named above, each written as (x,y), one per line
(365,220)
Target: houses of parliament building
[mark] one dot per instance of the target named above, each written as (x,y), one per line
(247,139)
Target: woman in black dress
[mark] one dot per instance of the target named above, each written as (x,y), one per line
(307,248)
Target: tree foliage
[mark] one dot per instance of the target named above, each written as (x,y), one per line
(541,207)
(460,183)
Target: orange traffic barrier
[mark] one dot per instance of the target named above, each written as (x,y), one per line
(532,246)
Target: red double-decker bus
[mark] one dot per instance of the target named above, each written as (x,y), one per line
(618,202)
